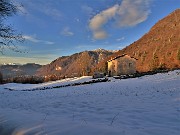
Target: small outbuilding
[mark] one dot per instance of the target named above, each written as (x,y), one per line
(121,65)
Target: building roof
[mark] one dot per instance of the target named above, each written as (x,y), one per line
(120,56)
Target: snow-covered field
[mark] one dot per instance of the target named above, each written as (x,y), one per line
(148,105)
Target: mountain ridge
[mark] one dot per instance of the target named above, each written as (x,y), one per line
(157,49)
(77,64)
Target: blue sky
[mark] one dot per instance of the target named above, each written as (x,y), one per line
(54,28)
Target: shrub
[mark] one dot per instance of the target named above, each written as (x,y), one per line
(28,79)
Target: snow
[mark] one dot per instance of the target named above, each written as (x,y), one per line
(148,105)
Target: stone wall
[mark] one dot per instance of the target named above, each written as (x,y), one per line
(122,66)
(126,65)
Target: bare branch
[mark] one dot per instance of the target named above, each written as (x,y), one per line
(8,35)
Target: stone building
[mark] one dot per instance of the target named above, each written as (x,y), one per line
(121,65)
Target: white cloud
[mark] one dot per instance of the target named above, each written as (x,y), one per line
(100,19)
(35,40)
(52,12)
(100,34)
(88,10)
(131,13)
(128,13)
(119,39)
(30,38)
(48,42)
(66,32)
(47,8)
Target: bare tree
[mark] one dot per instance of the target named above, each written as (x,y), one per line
(8,35)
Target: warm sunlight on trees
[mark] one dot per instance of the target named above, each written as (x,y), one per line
(8,35)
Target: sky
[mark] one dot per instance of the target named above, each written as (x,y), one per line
(55,28)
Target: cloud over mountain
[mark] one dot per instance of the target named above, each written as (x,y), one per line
(127,14)
(66,32)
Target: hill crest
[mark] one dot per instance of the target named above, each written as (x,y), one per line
(159,48)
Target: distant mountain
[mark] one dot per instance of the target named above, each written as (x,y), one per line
(12,70)
(157,49)
(75,65)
